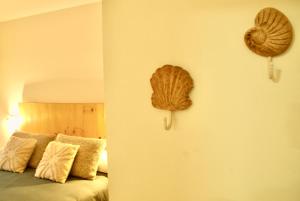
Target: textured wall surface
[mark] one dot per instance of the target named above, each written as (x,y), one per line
(240,140)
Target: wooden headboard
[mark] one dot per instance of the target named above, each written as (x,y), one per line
(80,119)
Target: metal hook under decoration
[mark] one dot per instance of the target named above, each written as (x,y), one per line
(269,37)
(168,125)
(171,87)
(274,74)
(270,68)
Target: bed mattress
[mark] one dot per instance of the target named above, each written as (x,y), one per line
(26,187)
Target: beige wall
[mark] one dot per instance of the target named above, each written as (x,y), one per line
(240,141)
(53,57)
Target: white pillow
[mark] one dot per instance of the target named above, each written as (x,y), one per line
(16,154)
(41,144)
(57,161)
(87,159)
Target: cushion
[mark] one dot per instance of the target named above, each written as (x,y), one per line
(102,165)
(57,161)
(42,142)
(87,159)
(16,154)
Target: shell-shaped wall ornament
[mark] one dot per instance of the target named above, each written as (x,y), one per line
(271,36)
(171,87)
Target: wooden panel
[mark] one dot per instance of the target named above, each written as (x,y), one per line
(80,119)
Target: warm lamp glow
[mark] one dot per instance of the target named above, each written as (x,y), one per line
(103,161)
(104,156)
(13,123)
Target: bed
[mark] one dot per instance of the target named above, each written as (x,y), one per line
(26,187)
(72,119)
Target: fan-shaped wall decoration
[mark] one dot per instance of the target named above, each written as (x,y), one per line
(271,36)
(171,87)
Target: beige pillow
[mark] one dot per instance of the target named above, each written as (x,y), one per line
(102,165)
(57,161)
(42,142)
(16,154)
(87,159)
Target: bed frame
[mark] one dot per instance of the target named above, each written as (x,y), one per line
(79,119)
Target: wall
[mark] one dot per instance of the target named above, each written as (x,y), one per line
(238,142)
(14,9)
(53,57)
